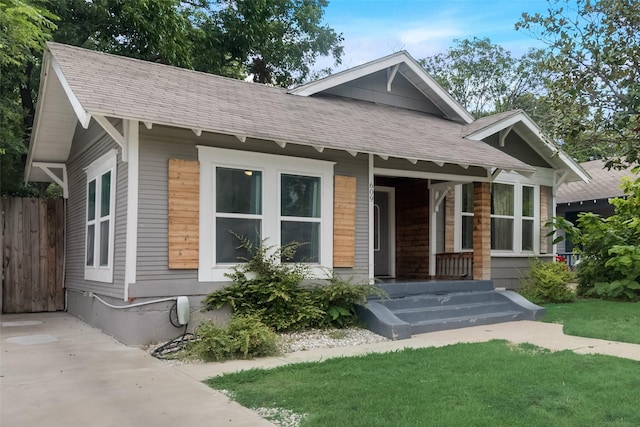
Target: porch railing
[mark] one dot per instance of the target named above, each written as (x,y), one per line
(454,265)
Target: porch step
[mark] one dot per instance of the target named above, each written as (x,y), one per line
(444,324)
(423,314)
(432,306)
(439,300)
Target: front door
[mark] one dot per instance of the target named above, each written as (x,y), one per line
(383,232)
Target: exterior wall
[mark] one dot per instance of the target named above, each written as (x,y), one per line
(154,280)
(88,145)
(373,88)
(412,226)
(157,146)
(450,214)
(412,229)
(517,147)
(506,272)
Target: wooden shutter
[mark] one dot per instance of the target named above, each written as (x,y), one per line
(183,216)
(344,221)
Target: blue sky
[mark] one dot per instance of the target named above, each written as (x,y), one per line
(375,28)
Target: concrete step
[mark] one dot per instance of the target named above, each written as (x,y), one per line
(465,321)
(419,314)
(436,300)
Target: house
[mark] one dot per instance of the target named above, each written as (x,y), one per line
(576,197)
(377,169)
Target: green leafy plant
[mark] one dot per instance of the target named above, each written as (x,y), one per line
(245,337)
(609,247)
(271,290)
(547,282)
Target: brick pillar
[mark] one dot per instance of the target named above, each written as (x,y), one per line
(449,228)
(481,231)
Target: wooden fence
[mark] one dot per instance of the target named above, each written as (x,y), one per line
(32,255)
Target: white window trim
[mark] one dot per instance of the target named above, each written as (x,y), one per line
(272,167)
(517,217)
(108,162)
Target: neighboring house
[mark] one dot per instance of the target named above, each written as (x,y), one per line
(576,197)
(377,169)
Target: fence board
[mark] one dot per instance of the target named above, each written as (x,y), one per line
(32,255)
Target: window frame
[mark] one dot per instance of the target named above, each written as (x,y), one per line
(518,218)
(272,167)
(95,172)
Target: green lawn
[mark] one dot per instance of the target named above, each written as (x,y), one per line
(483,384)
(594,318)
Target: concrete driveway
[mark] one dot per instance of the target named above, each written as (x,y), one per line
(55,370)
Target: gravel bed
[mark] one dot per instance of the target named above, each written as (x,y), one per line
(328,338)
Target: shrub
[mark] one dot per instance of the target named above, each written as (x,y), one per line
(609,247)
(272,291)
(547,282)
(244,337)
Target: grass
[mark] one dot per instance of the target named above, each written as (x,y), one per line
(594,318)
(492,383)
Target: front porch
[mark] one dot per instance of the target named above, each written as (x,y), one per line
(413,231)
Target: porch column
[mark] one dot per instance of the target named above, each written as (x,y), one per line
(481,231)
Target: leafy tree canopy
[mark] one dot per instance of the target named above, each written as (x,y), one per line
(24,28)
(594,89)
(276,41)
(485,78)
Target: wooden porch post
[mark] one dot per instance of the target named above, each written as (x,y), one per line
(481,231)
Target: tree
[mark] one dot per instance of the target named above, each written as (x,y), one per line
(485,78)
(275,41)
(24,28)
(594,89)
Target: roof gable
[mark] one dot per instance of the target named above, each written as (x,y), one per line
(399,64)
(518,121)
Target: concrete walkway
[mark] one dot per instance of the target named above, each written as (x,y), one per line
(57,371)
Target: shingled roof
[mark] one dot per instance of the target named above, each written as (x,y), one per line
(604,184)
(100,84)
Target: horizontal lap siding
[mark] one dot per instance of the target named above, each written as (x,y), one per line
(160,144)
(153,207)
(506,272)
(358,167)
(88,146)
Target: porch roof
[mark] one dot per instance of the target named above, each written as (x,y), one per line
(78,85)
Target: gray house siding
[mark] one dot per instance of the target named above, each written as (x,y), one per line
(373,88)
(506,272)
(89,145)
(157,146)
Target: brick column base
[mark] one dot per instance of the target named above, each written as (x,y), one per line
(481,231)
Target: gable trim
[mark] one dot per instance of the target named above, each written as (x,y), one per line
(392,62)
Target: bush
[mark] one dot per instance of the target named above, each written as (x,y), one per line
(272,291)
(609,247)
(547,282)
(244,337)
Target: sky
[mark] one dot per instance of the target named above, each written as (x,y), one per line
(375,28)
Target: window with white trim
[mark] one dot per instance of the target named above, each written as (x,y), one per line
(467,216)
(513,218)
(100,208)
(258,196)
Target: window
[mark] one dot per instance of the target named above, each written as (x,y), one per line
(300,215)
(238,212)
(528,217)
(101,176)
(502,217)
(513,218)
(467,217)
(258,196)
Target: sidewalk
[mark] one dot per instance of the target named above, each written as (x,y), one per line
(55,370)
